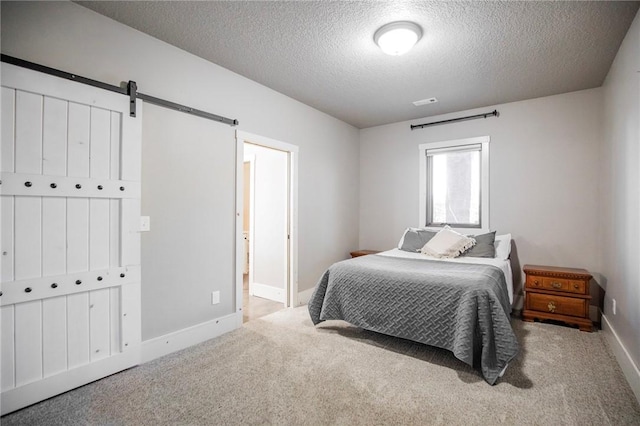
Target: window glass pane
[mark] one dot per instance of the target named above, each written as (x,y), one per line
(455,180)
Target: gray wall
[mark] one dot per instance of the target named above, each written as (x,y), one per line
(620,191)
(543,179)
(189,164)
(187,167)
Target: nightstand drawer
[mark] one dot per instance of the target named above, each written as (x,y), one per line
(556,284)
(557,304)
(560,284)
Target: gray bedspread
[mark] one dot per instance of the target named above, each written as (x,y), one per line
(460,307)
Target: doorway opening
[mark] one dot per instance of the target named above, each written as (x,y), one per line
(266,273)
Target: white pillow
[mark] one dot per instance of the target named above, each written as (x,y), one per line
(447,244)
(503,246)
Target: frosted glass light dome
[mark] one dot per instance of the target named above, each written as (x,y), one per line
(397,38)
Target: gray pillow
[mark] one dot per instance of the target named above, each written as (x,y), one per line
(415,239)
(484,246)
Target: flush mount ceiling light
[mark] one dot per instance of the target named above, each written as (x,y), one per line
(397,38)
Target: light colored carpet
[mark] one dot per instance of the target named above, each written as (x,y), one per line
(280,369)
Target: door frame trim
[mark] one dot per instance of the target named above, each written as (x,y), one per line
(292,151)
(252,196)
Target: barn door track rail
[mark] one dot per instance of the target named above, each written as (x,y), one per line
(493,113)
(131,90)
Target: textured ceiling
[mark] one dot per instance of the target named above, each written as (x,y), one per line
(472,54)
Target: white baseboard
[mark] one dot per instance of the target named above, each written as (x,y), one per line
(629,368)
(181,339)
(267,292)
(304,296)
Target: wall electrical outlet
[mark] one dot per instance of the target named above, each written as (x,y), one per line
(613,306)
(215,297)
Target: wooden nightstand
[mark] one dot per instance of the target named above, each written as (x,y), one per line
(359,253)
(560,294)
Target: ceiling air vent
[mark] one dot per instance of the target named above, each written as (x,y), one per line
(425,101)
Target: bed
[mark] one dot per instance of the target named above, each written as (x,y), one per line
(462,304)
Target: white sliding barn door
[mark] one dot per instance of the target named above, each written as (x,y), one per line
(70,304)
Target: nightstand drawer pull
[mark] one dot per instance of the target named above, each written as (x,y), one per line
(576,286)
(552,306)
(556,284)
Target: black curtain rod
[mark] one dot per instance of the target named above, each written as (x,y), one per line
(493,113)
(130,90)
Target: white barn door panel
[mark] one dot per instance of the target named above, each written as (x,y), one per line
(70,205)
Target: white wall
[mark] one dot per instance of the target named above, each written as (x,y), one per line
(189,163)
(620,192)
(269,212)
(544,173)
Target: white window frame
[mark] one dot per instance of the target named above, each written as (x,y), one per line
(484,181)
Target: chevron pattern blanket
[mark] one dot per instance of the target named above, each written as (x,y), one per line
(461,307)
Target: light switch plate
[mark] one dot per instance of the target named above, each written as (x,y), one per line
(145,223)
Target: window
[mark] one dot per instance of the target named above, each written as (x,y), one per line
(454,183)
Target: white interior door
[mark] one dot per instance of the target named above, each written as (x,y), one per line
(70,304)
